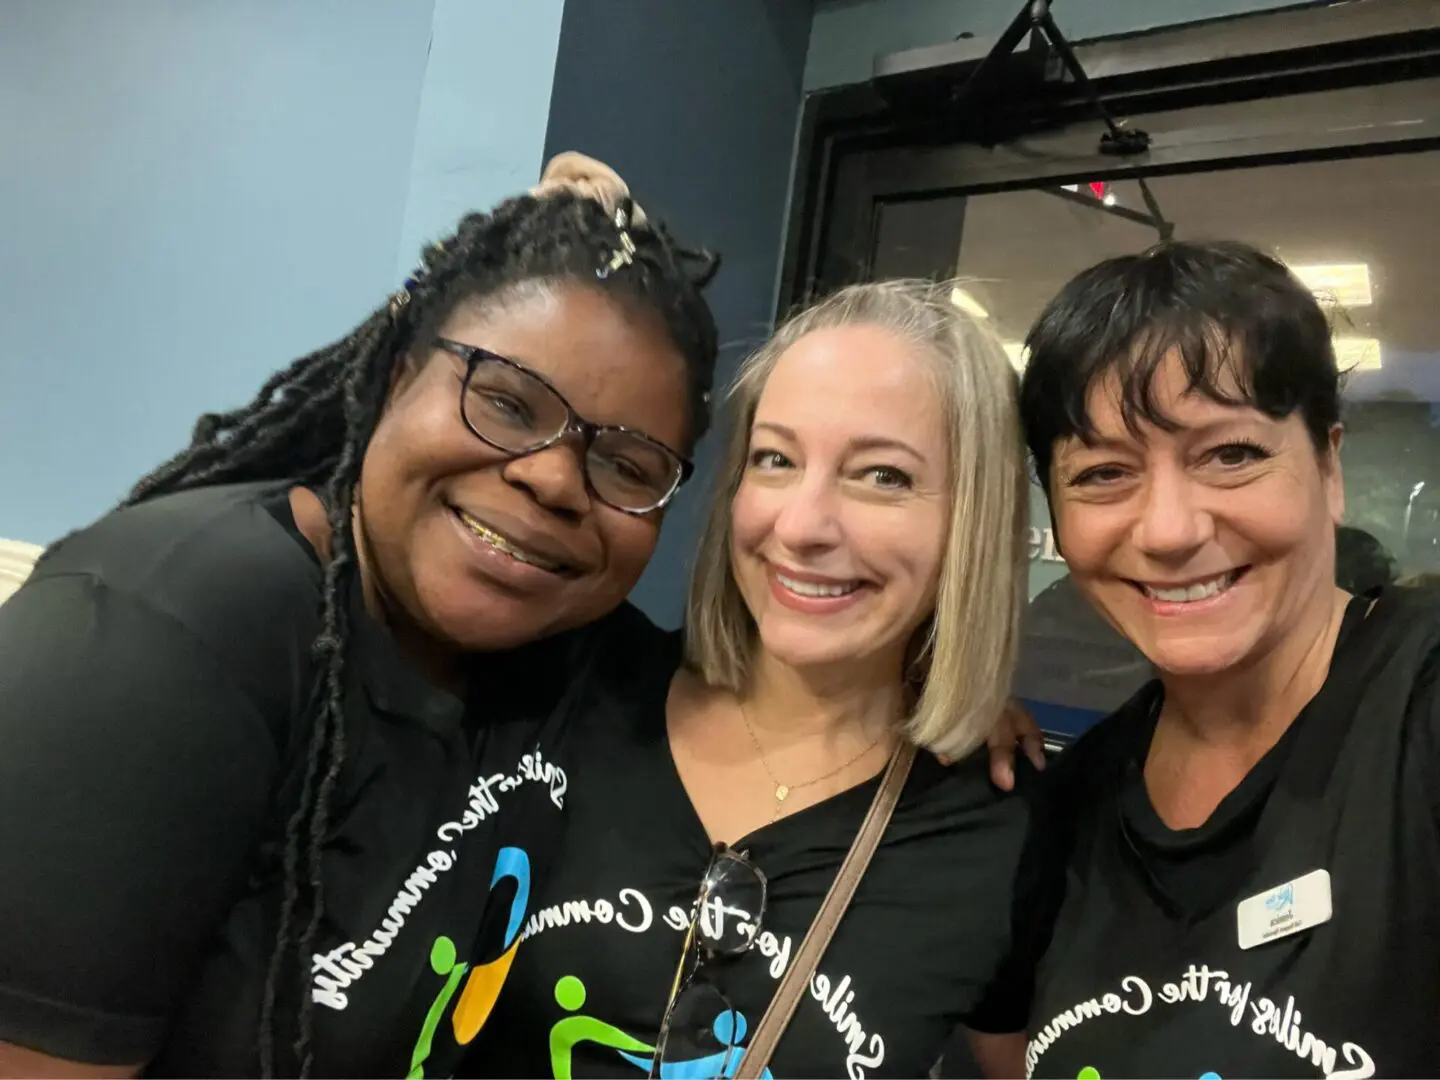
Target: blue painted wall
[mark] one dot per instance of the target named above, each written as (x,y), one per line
(480,136)
(695,103)
(194,192)
(848,34)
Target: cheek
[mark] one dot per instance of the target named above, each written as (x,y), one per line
(1086,534)
(752,514)
(420,435)
(630,542)
(1278,519)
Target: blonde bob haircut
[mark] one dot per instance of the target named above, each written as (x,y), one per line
(964,653)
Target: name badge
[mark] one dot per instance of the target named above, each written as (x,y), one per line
(1287,909)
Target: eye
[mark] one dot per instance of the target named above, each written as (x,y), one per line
(1097,476)
(768,460)
(625,469)
(505,406)
(889,478)
(1233,455)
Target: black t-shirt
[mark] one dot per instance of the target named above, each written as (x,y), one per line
(912,958)
(155,674)
(1140,926)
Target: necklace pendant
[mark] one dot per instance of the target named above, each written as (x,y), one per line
(780,792)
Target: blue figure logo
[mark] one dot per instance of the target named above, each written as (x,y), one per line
(729,1028)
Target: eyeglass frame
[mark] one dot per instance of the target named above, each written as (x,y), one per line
(575,424)
(693,940)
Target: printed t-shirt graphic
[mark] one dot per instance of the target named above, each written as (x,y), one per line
(209,735)
(1225,949)
(912,958)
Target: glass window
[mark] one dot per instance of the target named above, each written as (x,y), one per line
(1363,232)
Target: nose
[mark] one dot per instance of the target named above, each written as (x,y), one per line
(809,517)
(553,477)
(1172,521)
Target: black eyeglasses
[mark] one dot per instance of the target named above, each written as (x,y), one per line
(699,1023)
(516,410)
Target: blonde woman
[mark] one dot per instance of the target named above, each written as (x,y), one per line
(857,587)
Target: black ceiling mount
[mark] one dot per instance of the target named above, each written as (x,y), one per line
(1118,140)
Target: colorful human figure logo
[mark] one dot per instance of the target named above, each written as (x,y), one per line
(486,981)
(730,1029)
(570,995)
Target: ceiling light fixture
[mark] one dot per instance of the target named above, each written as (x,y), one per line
(968,304)
(1357,354)
(1351,353)
(1346,284)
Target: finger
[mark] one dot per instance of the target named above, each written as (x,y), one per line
(1002,771)
(1034,744)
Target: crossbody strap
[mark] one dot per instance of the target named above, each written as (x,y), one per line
(797,979)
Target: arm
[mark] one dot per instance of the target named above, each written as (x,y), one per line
(16,1061)
(135,779)
(1000,1057)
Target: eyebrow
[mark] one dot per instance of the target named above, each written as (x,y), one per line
(863,442)
(1115,443)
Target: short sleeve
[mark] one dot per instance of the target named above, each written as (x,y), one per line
(135,782)
(1038,890)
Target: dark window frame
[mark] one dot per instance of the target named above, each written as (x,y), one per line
(900,137)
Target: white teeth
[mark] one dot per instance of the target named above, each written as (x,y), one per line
(810,588)
(1191,593)
(494,539)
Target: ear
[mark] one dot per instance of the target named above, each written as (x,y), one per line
(1332,475)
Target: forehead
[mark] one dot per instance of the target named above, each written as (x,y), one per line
(1126,403)
(614,365)
(851,380)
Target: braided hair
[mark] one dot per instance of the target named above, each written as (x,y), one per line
(310,425)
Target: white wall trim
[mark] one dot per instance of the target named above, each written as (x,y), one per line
(17,558)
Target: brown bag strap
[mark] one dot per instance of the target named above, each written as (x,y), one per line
(797,979)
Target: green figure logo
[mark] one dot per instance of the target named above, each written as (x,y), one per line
(570,996)
(442,962)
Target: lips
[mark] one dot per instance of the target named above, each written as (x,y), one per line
(528,549)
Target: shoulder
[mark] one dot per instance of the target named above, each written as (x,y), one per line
(178,546)
(958,804)
(593,673)
(214,563)
(625,652)
(1087,767)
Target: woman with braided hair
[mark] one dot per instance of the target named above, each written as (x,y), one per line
(272,763)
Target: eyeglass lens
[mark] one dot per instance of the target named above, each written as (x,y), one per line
(515,411)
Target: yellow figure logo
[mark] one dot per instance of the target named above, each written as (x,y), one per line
(482,989)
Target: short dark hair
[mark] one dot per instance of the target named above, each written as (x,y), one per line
(310,424)
(1222,306)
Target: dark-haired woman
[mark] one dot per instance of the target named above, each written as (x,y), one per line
(1245,857)
(257,779)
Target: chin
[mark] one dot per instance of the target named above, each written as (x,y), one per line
(809,649)
(1188,659)
(474,618)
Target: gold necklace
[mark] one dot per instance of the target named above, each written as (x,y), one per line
(782,791)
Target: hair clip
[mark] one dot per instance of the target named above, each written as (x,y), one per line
(624,254)
(401,300)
